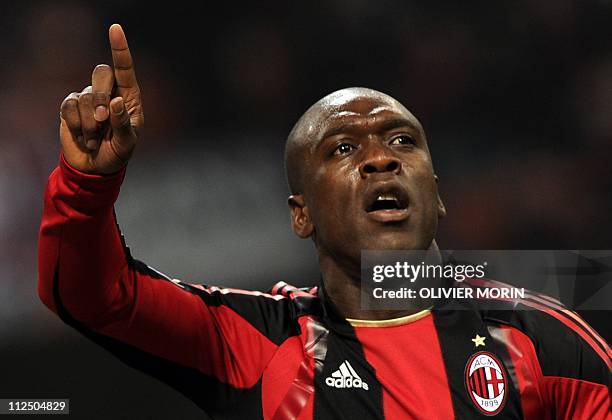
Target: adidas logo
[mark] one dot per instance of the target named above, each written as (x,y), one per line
(345,377)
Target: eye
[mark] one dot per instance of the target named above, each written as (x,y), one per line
(343,149)
(403,140)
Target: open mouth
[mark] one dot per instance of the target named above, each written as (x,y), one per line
(387,203)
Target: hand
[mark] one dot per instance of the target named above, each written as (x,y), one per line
(100,126)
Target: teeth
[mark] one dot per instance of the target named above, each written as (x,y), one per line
(382,197)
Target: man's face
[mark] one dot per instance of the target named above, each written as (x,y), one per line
(369,180)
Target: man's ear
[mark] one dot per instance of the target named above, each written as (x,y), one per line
(441,207)
(300,216)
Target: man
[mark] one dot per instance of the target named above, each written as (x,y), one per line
(361,177)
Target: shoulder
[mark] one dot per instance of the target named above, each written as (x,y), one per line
(305,300)
(565,344)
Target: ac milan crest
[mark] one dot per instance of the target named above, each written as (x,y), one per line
(486,383)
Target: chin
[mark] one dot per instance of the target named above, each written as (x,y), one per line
(393,242)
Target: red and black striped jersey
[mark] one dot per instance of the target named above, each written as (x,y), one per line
(289,354)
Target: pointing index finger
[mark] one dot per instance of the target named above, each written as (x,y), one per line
(125,75)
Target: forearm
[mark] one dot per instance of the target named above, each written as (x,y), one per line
(89,280)
(81,257)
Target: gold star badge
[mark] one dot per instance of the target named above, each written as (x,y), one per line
(479,341)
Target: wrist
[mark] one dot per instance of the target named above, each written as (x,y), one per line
(87,184)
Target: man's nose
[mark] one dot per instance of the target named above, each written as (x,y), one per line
(379,160)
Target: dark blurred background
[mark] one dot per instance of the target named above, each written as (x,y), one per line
(516,99)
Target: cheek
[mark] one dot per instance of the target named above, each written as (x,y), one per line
(425,188)
(334,181)
(332,198)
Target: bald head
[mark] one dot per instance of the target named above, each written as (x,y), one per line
(310,128)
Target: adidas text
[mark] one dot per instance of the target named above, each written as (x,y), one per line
(345,377)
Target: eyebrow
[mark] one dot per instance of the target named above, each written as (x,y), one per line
(386,125)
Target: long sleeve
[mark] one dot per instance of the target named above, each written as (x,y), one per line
(212,344)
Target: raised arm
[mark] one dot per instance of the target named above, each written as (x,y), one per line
(196,339)
(81,256)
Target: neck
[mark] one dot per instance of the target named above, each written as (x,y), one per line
(343,286)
